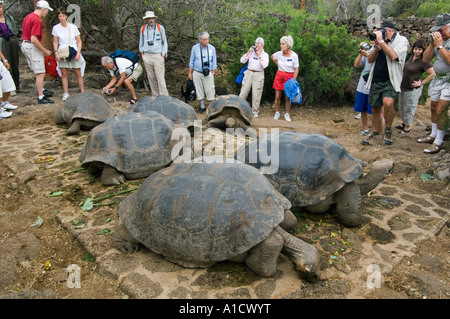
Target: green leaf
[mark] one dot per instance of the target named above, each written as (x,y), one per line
(426,177)
(57,193)
(104,231)
(88,204)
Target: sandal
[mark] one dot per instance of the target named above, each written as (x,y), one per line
(405,131)
(400,127)
(133,101)
(427,139)
(434,149)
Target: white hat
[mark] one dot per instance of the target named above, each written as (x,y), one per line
(149,14)
(43,5)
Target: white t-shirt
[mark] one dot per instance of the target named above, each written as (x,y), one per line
(286,63)
(122,65)
(362,83)
(63,35)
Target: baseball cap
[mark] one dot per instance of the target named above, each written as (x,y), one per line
(387,24)
(43,5)
(441,20)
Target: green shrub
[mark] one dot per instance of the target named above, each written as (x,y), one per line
(326,55)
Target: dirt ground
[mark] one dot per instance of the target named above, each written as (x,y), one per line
(44,230)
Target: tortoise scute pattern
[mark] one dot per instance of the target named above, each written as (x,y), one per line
(311,166)
(133,143)
(89,106)
(198,214)
(233,102)
(174,109)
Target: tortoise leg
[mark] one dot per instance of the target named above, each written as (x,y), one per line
(111,176)
(124,241)
(262,259)
(289,221)
(74,129)
(305,256)
(348,205)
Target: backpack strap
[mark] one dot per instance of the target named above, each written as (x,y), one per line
(143,28)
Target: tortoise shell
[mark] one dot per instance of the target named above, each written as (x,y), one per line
(198,213)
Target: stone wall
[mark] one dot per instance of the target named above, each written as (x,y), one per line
(411,27)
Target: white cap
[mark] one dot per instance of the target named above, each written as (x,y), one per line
(43,5)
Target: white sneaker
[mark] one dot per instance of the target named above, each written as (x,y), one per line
(287,117)
(277,116)
(4,114)
(255,114)
(65,96)
(8,106)
(358,116)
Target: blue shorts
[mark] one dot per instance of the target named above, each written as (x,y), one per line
(362,103)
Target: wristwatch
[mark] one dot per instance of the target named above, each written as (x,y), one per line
(440,47)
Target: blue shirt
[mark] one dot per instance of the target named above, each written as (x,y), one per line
(195,60)
(153,35)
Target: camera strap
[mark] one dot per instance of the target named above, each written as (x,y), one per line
(201,55)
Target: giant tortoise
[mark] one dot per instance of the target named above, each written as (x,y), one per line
(230,112)
(315,172)
(174,109)
(83,110)
(128,146)
(197,214)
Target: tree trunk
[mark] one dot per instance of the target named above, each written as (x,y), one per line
(302,4)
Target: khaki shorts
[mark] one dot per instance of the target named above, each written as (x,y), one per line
(35,58)
(439,89)
(380,90)
(137,72)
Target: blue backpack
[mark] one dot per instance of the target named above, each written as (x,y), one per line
(133,57)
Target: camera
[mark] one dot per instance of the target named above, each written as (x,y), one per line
(373,37)
(254,48)
(365,47)
(106,92)
(205,71)
(150,43)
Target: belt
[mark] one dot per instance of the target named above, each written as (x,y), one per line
(254,70)
(27,41)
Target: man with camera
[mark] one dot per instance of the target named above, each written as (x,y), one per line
(388,58)
(202,66)
(439,89)
(153,48)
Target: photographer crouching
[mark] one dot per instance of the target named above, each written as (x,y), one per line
(388,58)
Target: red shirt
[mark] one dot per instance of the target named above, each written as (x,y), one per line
(32,25)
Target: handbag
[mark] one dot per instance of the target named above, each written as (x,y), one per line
(240,76)
(64,52)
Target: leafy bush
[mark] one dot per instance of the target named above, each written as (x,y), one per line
(326,54)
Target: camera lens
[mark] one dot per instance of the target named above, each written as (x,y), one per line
(150,42)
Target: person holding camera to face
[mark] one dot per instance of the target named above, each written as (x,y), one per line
(388,58)
(153,48)
(253,80)
(202,66)
(362,94)
(439,89)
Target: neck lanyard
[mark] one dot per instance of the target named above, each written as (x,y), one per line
(201,54)
(154,31)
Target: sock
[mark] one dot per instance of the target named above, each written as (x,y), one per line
(202,104)
(433,129)
(439,137)
(40,97)
(4,102)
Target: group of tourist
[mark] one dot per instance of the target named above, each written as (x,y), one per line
(389,72)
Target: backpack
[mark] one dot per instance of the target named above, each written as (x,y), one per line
(133,57)
(189,94)
(50,66)
(293,91)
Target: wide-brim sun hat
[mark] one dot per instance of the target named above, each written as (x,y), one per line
(149,15)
